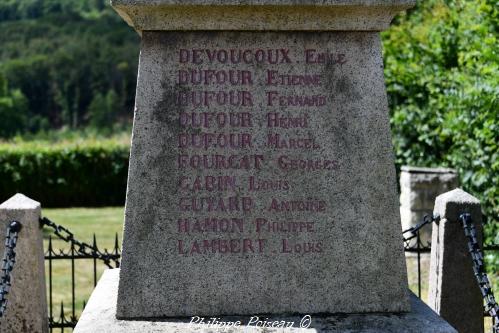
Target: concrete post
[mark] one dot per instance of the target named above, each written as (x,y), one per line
(27,302)
(418,189)
(454,293)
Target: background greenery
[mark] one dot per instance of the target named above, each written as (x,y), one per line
(441,67)
(67,84)
(64,63)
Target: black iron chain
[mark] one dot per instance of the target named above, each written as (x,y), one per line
(414,230)
(478,268)
(81,247)
(8,262)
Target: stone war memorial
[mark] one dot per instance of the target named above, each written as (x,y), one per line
(262,186)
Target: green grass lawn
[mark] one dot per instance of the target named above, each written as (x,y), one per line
(105,223)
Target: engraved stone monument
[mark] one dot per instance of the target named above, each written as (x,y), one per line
(261,175)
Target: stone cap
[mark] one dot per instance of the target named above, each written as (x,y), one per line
(453,203)
(260,15)
(20,202)
(412,169)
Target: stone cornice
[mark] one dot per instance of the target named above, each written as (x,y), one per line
(260,15)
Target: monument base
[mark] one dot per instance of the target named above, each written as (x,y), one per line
(100,316)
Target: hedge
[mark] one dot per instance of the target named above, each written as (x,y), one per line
(65,175)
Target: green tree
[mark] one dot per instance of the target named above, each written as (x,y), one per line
(74,50)
(13,110)
(441,66)
(103,110)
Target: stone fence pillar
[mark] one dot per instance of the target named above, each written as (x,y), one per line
(454,293)
(418,189)
(27,302)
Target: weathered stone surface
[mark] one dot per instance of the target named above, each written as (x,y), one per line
(420,186)
(454,292)
(305,222)
(418,189)
(263,15)
(99,317)
(27,303)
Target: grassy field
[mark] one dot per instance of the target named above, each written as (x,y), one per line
(105,223)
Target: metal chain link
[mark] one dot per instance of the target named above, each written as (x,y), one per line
(478,268)
(8,262)
(81,247)
(427,219)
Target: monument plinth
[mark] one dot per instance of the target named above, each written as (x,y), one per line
(261,175)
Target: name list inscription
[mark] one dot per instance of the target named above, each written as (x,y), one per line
(222,162)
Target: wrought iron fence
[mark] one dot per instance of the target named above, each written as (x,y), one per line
(77,252)
(413,243)
(82,251)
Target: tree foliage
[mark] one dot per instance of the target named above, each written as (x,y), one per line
(31,9)
(13,109)
(441,66)
(62,54)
